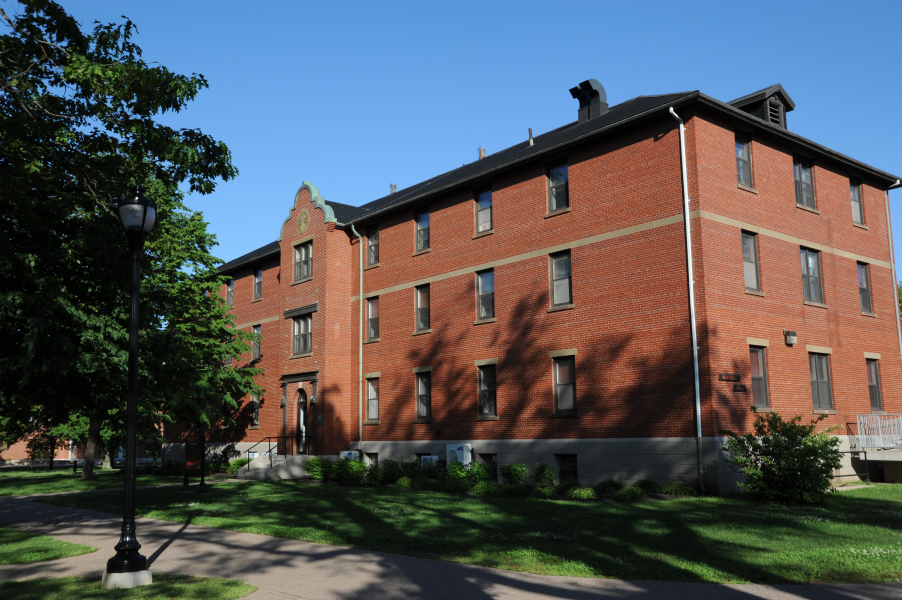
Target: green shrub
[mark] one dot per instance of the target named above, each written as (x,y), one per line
(428,484)
(648,486)
(479,472)
(609,486)
(513,473)
(784,461)
(404,483)
(630,494)
(485,488)
(581,493)
(236,464)
(318,468)
(455,485)
(543,493)
(349,472)
(543,475)
(391,471)
(512,490)
(457,472)
(565,486)
(373,476)
(679,488)
(411,469)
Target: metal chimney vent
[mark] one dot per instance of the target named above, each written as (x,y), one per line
(593,101)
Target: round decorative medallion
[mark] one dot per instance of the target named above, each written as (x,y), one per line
(303,221)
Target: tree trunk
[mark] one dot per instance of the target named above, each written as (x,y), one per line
(51,442)
(92,447)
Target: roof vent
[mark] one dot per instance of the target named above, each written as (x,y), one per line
(593,101)
(770,104)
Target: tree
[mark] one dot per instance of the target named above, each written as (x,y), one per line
(784,461)
(78,129)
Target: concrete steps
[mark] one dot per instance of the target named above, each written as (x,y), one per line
(284,467)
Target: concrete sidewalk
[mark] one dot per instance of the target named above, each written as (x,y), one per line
(283,568)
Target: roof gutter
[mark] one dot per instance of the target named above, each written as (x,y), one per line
(892,262)
(688,233)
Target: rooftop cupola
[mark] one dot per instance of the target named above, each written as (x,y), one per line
(593,101)
(770,104)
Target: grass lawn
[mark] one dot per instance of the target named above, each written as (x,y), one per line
(854,536)
(17,547)
(62,480)
(164,587)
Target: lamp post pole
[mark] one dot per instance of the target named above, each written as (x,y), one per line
(128,568)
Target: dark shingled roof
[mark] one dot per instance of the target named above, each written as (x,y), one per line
(522,151)
(345,213)
(270,248)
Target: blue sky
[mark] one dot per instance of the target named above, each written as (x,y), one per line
(354,96)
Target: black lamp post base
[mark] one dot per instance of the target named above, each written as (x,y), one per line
(126,562)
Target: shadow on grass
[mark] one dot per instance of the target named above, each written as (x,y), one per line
(164,587)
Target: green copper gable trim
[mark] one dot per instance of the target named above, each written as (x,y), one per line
(318,202)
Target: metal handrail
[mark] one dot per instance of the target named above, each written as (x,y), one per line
(879,431)
(268,440)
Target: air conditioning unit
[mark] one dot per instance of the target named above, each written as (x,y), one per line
(426,461)
(349,454)
(462,453)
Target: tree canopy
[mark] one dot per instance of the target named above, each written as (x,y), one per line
(79,126)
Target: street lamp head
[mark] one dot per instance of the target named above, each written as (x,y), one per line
(137,214)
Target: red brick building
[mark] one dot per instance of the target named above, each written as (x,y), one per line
(535,303)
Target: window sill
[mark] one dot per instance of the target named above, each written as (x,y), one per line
(423,251)
(808,208)
(254,427)
(557,212)
(859,225)
(868,314)
(372,266)
(422,332)
(293,356)
(256,300)
(487,418)
(565,415)
(878,412)
(763,409)
(811,303)
(746,188)
(483,321)
(754,292)
(371,340)
(560,308)
(824,411)
(376,422)
(304,280)
(420,421)
(484,233)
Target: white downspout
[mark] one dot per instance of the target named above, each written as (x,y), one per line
(360,348)
(698,402)
(892,261)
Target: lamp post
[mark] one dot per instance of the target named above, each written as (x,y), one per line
(128,568)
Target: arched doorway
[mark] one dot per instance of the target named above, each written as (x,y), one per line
(302,422)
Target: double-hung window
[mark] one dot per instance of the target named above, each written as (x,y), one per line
(564,385)
(857,209)
(258,284)
(372,318)
(874,385)
(558,182)
(255,348)
(743,159)
(759,376)
(303,261)
(372,399)
(819,365)
(422,230)
(301,335)
(864,288)
(484,211)
(811,276)
(372,245)
(485,295)
(230,292)
(422,302)
(424,396)
(804,182)
(750,261)
(561,287)
(487,395)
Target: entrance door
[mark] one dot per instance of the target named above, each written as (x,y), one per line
(302,422)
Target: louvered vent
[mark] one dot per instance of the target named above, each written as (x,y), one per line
(775,112)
